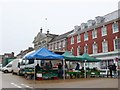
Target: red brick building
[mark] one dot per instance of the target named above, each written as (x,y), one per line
(99,38)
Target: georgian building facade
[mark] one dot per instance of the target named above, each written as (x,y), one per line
(42,39)
(99,38)
(59,43)
(24,52)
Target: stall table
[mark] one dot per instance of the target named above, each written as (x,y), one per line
(76,74)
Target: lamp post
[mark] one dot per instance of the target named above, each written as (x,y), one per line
(85,68)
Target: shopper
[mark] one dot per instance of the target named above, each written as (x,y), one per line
(114,70)
(37,68)
(110,70)
(60,71)
(77,66)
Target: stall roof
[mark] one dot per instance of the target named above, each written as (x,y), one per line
(89,58)
(28,54)
(69,57)
(44,53)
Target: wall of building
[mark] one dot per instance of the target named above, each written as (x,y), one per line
(109,37)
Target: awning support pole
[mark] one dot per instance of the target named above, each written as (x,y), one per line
(64,69)
(85,69)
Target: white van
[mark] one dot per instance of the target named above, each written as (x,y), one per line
(28,64)
(7,68)
(16,66)
(19,65)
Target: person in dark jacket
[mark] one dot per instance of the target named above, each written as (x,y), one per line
(50,65)
(114,70)
(77,66)
(60,71)
(37,68)
(110,70)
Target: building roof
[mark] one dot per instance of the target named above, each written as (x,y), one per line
(41,36)
(111,16)
(23,52)
(106,19)
(62,36)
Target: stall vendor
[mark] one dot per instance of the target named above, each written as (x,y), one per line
(37,68)
(60,71)
(77,66)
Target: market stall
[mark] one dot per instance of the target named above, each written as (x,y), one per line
(84,72)
(72,73)
(90,72)
(44,54)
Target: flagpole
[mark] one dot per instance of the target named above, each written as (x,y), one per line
(46,24)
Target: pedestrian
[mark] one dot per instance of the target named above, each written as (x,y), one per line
(47,67)
(114,70)
(66,69)
(110,70)
(60,71)
(77,66)
(50,65)
(37,68)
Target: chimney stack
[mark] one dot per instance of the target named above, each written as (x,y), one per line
(41,30)
(48,32)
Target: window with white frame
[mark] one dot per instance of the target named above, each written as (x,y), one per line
(105,46)
(94,33)
(95,48)
(86,36)
(86,48)
(55,45)
(115,27)
(48,46)
(52,46)
(60,44)
(63,43)
(117,44)
(104,31)
(78,38)
(72,50)
(78,50)
(72,40)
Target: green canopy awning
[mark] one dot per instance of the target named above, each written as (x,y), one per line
(69,57)
(81,58)
(89,58)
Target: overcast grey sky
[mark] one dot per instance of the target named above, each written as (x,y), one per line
(20,20)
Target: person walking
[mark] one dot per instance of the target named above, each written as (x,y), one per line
(114,70)
(110,70)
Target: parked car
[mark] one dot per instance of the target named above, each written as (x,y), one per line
(7,68)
